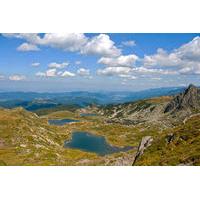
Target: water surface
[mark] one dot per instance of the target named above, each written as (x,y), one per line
(61,122)
(92,143)
(88,114)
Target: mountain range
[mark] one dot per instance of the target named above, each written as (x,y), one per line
(162,130)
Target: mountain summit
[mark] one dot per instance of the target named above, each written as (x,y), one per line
(189,99)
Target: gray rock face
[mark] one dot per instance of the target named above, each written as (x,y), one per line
(188,100)
(144,144)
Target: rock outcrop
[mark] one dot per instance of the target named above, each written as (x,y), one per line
(189,100)
(144,144)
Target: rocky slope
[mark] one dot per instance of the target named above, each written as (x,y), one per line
(187,102)
(139,112)
(164,111)
(165,129)
(178,145)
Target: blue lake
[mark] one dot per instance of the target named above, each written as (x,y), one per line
(92,143)
(61,122)
(88,114)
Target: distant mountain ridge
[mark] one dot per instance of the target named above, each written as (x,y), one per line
(33,101)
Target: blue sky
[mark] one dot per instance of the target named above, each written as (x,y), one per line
(56,62)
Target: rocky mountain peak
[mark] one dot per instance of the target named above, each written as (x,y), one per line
(188,99)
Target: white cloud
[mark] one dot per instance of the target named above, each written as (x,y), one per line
(190,51)
(83,72)
(32,38)
(121,61)
(162,59)
(48,73)
(27,47)
(51,72)
(75,42)
(58,65)
(41,74)
(129,43)
(183,60)
(66,41)
(110,71)
(128,76)
(144,70)
(16,77)
(120,66)
(67,74)
(190,68)
(35,64)
(101,45)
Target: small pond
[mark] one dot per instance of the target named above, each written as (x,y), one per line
(92,143)
(61,122)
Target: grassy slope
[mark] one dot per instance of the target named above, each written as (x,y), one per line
(29,140)
(26,139)
(184,148)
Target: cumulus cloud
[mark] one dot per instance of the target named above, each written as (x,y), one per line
(16,77)
(83,72)
(48,73)
(35,64)
(190,51)
(41,74)
(66,41)
(183,60)
(120,66)
(51,72)
(27,47)
(190,68)
(58,65)
(54,73)
(67,74)
(110,71)
(121,61)
(129,43)
(32,38)
(162,59)
(101,45)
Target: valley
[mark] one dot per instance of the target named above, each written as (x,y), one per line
(37,137)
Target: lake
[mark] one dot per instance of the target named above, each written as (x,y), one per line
(61,122)
(92,143)
(88,114)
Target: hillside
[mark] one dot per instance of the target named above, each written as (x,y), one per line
(27,139)
(161,131)
(178,146)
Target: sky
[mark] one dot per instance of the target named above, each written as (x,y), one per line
(61,62)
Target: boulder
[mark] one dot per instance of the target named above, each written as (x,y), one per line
(144,144)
